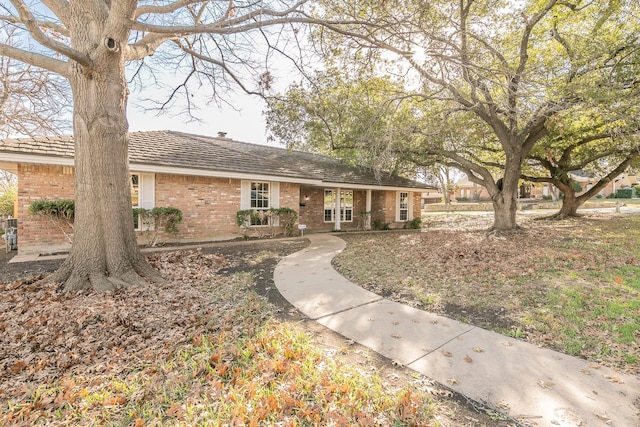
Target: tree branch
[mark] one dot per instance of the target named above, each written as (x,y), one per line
(60,8)
(36,59)
(32,26)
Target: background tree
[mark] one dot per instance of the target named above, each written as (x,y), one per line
(33,101)
(8,192)
(89,43)
(360,119)
(513,66)
(581,141)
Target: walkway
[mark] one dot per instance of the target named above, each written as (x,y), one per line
(540,387)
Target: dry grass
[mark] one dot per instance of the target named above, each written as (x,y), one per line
(204,349)
(572,285)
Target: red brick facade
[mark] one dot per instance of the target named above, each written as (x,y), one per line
(40,234)
(383,208)
(209,206)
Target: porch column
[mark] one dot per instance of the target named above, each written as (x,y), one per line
(367,218)
(338,208)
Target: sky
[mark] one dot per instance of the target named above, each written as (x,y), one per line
(242,122)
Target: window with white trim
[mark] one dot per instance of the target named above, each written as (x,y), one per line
(346,205)
(260,196)
(259,201)
(142,195)
(403,206)
(134,182)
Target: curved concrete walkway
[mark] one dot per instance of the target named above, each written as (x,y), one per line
(537,386)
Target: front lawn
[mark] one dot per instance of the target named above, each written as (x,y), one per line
(203,349)
(572,285)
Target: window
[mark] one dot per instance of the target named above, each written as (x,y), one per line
(346,205)
(260,196)
(260,202)
(135,198)
(142,194)
(404,206)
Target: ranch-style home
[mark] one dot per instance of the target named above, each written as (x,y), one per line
(210,179)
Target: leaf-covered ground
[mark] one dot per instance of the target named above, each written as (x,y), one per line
(570,285)
(207,348)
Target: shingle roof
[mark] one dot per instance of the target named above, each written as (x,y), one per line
(177,149)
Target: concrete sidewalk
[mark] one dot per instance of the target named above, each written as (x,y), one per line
(537,386)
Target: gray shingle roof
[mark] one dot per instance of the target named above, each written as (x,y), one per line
(177,149)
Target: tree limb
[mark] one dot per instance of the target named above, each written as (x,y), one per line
(31,23)
(36,59)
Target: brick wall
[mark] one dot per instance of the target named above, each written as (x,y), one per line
(209,206)
(39,234)
(383,208)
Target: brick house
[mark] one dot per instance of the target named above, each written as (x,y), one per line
(209,179)
(471,191)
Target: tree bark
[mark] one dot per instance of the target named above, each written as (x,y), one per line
(570,203)
(105,253)
(505,197)
(505,206)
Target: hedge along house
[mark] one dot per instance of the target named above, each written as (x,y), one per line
(210,179)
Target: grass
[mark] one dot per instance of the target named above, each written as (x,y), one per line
(240,365)
(572,285)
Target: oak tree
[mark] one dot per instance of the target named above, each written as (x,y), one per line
(513,66)
(90,43)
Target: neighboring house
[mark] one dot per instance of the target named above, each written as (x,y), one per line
(586,181)
(209,179)
(432,196)
(474,192)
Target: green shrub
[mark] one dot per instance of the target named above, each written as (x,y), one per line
(378,224)
(414,224)
(61,208)
(626,193)
(462,199)
(287,218)
(547,197)
(156,219)
(611,196)
(166,218)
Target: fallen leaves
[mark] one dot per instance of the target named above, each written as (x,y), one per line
(48,335)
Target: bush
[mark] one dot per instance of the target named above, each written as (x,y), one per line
(156,219)
(166,218)
(626,193)
(462,199)
(414,224)
(611,196)
(547,197)
(287,218)
(378,224)
(61,208)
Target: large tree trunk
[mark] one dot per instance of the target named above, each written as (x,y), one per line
(505,206)
(570,204)
(505,201)
(104,253)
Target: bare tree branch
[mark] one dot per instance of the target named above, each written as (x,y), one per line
(31,23)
